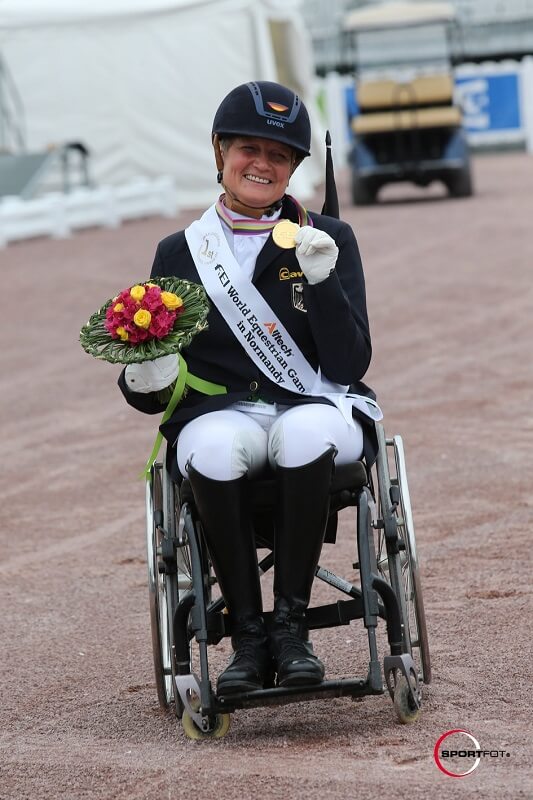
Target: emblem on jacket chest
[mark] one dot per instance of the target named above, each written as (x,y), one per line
(297,294)
(297,288)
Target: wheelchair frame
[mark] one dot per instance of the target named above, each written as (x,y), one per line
(184,616)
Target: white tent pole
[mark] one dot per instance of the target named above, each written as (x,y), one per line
(527,100)
(337,117)
(266,69)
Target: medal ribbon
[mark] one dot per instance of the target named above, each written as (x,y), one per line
(303,213)
(248,226)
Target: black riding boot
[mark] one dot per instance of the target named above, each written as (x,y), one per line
(227,526)
(303,505)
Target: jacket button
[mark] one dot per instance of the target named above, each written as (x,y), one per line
(254,386)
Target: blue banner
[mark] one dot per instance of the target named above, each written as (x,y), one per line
(490,102)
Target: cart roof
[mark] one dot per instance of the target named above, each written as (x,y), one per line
(398,14)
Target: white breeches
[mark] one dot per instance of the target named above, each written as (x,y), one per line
(224,445)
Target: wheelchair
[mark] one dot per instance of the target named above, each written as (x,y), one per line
(385,586)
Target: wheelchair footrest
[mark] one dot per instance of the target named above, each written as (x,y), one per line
(344,687)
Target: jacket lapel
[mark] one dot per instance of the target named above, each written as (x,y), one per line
(267,255)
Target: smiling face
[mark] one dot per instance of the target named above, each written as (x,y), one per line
(256,171)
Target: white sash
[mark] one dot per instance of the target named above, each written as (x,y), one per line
(256,327)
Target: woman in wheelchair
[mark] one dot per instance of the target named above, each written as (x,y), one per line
(280,367)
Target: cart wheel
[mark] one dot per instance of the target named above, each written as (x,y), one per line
(363,194)
(219,729)
(406,710)
(459,183)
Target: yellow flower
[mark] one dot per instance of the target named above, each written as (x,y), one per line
(171,300)
(142,318)
(123,333)
(137,292)
(118,307)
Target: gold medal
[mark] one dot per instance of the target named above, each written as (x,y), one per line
(284,232)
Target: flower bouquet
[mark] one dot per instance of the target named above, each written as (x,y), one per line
(146,321)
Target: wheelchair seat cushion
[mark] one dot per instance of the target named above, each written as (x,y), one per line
(346,477)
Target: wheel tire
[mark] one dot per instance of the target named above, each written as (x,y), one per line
(459,183)
(220,728)
(180,581)
(414,598)
(401,570)
(164,590)
(406,710)
(362,193)
(158,607)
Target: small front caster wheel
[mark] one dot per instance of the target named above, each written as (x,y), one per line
(406,709)
(217,731)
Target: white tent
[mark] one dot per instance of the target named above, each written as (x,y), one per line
(138,81)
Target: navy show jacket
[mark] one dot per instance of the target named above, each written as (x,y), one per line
(328,321)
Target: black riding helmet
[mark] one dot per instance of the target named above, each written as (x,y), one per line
(266,110)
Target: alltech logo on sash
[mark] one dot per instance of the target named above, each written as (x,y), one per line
(268,345)
(457,753)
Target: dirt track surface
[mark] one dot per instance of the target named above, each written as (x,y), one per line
(450,299)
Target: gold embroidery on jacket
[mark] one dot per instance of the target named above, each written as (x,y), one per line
(286,275)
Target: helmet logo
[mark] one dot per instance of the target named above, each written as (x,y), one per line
(277,107)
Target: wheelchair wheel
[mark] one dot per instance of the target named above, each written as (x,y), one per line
(406,710)
(156,588)
(401,568)
(217,731)
(169,574)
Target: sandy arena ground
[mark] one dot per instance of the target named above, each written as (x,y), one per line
(450,295)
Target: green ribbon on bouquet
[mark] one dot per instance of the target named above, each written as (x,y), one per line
(185,378)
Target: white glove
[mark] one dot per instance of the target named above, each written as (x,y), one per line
(152,376)
(316,253)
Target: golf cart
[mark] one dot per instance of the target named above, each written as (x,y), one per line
(408,127)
